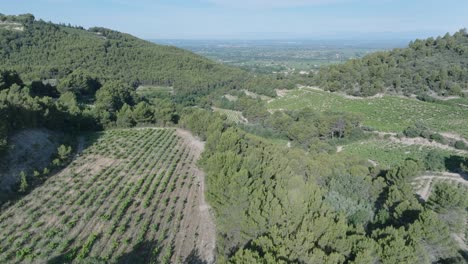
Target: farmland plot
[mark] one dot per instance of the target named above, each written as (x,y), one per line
(133,196)
(232,116)
(387,113)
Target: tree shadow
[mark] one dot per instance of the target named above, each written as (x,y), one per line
(194,258)
(10,197)
(453,164)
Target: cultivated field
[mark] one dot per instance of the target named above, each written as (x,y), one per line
(132,196)
(388,154)
(232,116)
(386,113)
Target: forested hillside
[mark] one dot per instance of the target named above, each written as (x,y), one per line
(280,188)
(42,50)
(432,66)
(286,205)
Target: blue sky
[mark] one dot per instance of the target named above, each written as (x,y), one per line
(254,19)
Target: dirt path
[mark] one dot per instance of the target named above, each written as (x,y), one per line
(428,180)
(454,137)
(206,240)
(419,141)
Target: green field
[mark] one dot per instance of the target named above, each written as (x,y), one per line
(390,154)
(388,113)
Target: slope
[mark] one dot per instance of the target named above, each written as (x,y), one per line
(430,67)
(132,196)
(43,50)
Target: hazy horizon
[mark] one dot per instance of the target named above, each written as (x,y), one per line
(256,19)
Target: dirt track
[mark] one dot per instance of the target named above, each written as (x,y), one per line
(429,178)
(201,216)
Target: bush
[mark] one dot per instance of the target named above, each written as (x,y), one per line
(434,161)
(460,144)
(412,132)
(438,138)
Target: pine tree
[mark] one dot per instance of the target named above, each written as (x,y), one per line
(24,182)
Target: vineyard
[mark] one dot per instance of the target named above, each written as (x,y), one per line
(232,116)
(387,113)
(131,196)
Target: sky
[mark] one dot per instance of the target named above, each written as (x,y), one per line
(255,19)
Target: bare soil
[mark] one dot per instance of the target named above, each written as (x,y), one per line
(29,149)
(200,216)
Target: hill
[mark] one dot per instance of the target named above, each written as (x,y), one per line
(430,67)
(43,50)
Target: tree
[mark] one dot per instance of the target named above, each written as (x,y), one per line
(143,113)
(396,246)
(405,172)
(113,95)
(434,161)
(64,152)
(460,144)
(447,196)
(23,182)
(8,78)
(125,117)
(79,82)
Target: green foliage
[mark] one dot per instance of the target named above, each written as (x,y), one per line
(125,117)
(404,173)
(436,65)
(305,127)
(417,130)
(271,207)
(355,196)
(388,113)
(113,95)
(143,113)
(445,196)
(396,246)
(87,246)
(8,78)
(80,83)
(23,182)
(64,152)
(460,144)
(71,54)
(434,161)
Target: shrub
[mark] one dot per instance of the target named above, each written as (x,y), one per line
(412,132)
(438,138)
(23,182)
(460,144)
(434,161)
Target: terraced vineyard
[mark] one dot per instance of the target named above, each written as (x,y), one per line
(232,116)
(387,113)
(389,154)
(132,196)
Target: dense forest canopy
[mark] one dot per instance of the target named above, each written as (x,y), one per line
(45,51)
(432,66)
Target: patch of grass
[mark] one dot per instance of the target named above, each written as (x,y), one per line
(151,92)
(389,113)
(390,154)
